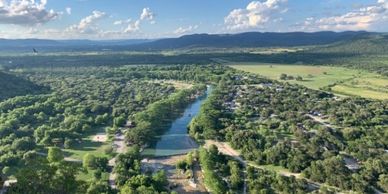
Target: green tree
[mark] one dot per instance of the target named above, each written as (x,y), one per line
(236,177)
(89,161)
(55,154)
(99,187)
(160,180)
(6,171)
(42,177)
(283,76)
(119,121)
(383,182)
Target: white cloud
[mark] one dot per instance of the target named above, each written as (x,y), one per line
(88,27)
(182,30)
(68,10)
(133,27)
(121,22)
(147,14)
(361,19)
(118,22)
(25,12)
(87,24)
(256,14)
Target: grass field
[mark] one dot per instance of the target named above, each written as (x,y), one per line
(357,91)
(349,82)
(87,146)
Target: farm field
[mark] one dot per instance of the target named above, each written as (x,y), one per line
(343,81)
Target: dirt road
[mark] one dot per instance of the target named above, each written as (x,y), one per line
(67,159)
(119,145)
(226,149)
(321,121)
(100,137)
(179,181)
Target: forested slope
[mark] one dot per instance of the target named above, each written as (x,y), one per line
(11,86)
(372,44)
(251,39)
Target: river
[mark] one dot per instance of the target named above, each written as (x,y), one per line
(176,139)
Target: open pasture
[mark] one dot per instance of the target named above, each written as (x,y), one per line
(340,80)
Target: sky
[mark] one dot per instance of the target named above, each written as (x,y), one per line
(150,19)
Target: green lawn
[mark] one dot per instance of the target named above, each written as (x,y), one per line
(356,91)
(348,81)
(272,167)
(87,146)
(313,76)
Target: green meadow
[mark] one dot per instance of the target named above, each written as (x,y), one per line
(343,81)
(88,146)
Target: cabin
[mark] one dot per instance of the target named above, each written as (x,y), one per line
(279,89)
(315,113)
(351,163)
(57,142)
(130,124)
(6,185)
(267,85)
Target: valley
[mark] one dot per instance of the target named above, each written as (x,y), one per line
(167,116)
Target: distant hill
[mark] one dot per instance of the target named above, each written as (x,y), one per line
(11,86)
(248,39)
(27,45)
(364,45)
(252,39)
(51,43)
(27,42)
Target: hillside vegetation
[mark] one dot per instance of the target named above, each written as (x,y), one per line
(11,86)
(365,45)
(248,39)
(251,39)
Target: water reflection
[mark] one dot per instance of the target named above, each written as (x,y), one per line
(176,140)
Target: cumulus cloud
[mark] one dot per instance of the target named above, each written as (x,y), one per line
(185,30)
(121,22)
(133,27)
(87,24)
(118,22)
(25,12)
(147,14)
(68,10)
(360,19)
(256,14)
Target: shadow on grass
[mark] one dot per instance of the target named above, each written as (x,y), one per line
(87,145)
(305,80)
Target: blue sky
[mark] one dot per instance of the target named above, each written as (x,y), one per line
(119,19)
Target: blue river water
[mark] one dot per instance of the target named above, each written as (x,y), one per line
(176,139)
